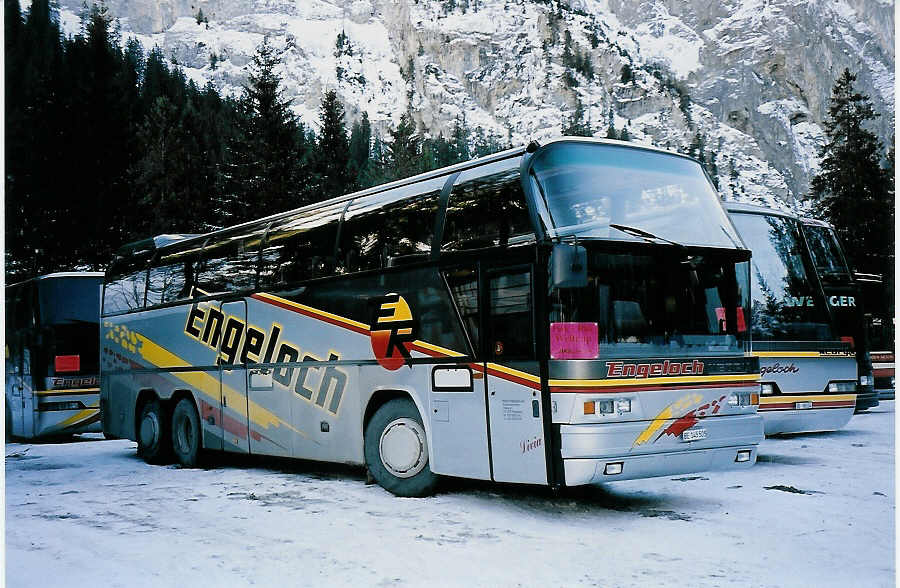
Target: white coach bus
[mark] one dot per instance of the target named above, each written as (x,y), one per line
(534,316)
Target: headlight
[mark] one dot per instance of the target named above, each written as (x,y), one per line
(740,399)
(836,387)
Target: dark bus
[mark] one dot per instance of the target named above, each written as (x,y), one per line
(52,355)
(850,306)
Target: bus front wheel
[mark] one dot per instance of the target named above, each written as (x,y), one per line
(186,433)
(154,441)
(397,450)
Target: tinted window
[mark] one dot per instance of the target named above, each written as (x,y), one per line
(358,298)
(787,302)
(385,230)
(463,284)
(300,247)
(171,281)
(125,286)
(487,208)
(662,303)
(510,322)
(229,265)
(826,254)
(587,187)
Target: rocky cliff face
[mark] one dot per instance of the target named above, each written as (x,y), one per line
(749,80)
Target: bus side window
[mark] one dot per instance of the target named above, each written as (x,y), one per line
(511,324)
(375,235)
(487,210)
(171,282)
(126,288)
(229,266)
(297,256)
(463,283)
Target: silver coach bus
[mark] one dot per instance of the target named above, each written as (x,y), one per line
(534,316)
(808,373)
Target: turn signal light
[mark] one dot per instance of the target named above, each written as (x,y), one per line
(589,407)
(754,399)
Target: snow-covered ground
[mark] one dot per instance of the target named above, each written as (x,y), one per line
(816,510)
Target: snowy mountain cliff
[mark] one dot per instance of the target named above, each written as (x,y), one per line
(744,83)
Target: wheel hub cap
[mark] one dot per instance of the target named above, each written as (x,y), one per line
(403,449)
(149,430)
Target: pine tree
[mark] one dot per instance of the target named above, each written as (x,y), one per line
(263,160)
(360,150)
(852,190)
(333,150)
(576,126)
(404,150)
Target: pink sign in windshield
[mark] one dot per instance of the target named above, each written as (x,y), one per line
(573,341)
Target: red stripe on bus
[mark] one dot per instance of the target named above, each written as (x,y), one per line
(883,372)
(618,389)
(311,314)
(792,405)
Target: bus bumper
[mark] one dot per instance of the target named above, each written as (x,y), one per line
(805,421)
(866,398)
(593,471)
(588,450)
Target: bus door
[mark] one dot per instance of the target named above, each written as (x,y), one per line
(18,390)
(512,376)
(233,379)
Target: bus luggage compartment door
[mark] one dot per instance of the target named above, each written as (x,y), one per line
(458,420)
(233,382)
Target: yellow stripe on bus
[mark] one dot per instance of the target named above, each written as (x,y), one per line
(67,391)
(654,381)
(82,415)
(512,372)
(209,386)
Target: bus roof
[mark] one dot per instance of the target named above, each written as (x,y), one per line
(58,275)
(533,146)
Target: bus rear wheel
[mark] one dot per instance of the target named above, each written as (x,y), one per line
(396,450)
(154,441)
(186,433)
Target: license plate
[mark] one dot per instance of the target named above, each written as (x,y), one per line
(694,434)
(802,405)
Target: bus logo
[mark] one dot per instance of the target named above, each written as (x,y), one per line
(393,329)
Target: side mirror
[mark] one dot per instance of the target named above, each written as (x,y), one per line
(568,266)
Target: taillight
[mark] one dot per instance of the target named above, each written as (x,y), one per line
(67,363)
(848,340)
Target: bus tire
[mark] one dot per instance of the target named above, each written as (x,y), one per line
(153,437)
(396,450)
(186,433)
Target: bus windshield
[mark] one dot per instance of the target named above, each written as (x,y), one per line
(588,187)
(785,304)
(660,302)
(826,254)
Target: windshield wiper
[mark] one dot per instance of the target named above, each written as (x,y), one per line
(643,234)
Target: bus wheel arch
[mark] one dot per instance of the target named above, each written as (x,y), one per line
(396,446)
(152,428)
(186,429)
